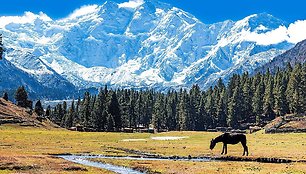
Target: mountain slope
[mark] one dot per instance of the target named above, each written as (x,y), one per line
(150,44)
(293,56)
(12,114)
(12,77)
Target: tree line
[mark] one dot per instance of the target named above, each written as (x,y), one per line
(22,100)
(245,99)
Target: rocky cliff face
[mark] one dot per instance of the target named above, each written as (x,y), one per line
(293,56)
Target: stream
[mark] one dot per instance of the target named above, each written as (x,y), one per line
(84,160)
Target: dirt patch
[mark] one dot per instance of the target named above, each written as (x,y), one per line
(294,125)
(259,159)
(74,168)
(287,124)
(145,170)
(18,167)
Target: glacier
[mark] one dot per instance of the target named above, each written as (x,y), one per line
(146,44)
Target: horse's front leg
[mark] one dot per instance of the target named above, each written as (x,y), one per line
(223,148)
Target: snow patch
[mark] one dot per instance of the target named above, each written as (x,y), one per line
(57,67)
(132,140)
(168,138)
(151,76)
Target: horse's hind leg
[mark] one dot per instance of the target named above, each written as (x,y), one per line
(223,149)
(245,149)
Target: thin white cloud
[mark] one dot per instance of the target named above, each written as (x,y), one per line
(28,17)
(131,4)
(295,33)
(83,11)
(272,37)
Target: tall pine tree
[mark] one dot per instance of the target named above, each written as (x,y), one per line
(115,112)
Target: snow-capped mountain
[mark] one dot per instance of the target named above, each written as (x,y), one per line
(11,77)
(140,44)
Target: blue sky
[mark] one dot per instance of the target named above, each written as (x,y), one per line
(209,11)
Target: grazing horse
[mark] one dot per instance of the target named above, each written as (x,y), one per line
(228,138)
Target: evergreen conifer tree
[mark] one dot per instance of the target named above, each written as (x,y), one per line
(132,112)
(38,109)
(221,110)
(234,108)
(258,100)
(247,110)
(280,96)
(5,96)
(293,90)
(48,111)
(210,107)
(139,107)
(158,112)
(268,97)
(194,119)
(99,120)
(110,127)
(69,116)
(77,120)
(21,97)
(148,109)
(115,112)
(171,111)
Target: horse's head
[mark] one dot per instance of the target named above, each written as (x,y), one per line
(212,144)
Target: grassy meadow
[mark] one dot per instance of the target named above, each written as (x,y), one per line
(27,150)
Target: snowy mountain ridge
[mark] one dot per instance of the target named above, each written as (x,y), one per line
(141,44)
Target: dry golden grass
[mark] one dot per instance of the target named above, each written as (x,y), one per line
(186,167)
(42,164)
(28,146)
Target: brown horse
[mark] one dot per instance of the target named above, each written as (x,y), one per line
(228,138)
